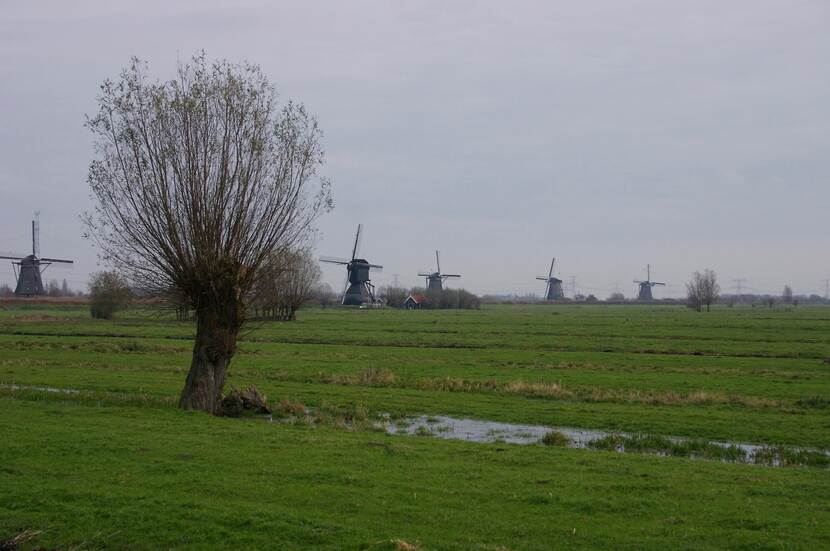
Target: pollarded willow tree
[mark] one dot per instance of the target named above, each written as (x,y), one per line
(196,181)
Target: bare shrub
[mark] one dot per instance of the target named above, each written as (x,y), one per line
(108,293)
(394,296)
(288,281)
(703,290)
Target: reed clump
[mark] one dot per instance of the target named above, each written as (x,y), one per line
(555,438)
(661,445)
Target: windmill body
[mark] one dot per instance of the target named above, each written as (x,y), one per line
(29,279)
(644,293)
(358,288)
(555,291)
(553,287)
(29,269)
(435,280)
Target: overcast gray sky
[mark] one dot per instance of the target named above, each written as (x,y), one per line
(686,134)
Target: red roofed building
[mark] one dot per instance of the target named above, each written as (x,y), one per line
(415,302)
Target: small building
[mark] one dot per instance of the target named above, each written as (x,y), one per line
(414,302)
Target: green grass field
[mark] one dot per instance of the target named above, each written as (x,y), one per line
(117,465)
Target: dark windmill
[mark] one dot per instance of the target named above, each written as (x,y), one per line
(358,288)
(435,280)
(645,286)
(29,269)
(553,289)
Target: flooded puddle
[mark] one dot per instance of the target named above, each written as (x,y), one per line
(473,430)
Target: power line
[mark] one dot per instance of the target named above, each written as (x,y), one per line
(739,283)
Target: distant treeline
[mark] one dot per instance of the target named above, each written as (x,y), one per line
(434,300)
(52,289)
(727,300)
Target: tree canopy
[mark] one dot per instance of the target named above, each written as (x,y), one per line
(197,181)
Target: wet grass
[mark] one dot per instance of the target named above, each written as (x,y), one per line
(778,456)
(785,457)
(643,443)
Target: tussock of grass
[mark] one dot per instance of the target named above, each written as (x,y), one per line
(550,390)
(670,397)
(373,376)
(553,390)
(555,438)
(423,431)
(519,387)
(287,406)
(351,418)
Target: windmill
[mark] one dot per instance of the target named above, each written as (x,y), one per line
(645,286)
(435,280)
(358,287)
(29,269)
(553,288)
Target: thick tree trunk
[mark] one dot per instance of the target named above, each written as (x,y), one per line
(215,345)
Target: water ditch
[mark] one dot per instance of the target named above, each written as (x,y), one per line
(488,432)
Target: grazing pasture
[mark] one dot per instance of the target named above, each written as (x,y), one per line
(95,453)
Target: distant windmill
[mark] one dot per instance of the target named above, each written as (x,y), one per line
(358,286)
(435,280)
(645,286)
(29,269)
(553,289)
